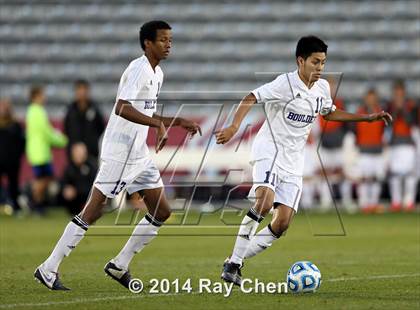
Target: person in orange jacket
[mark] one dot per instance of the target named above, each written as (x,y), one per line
(403,178)
(332,157)
(370,141)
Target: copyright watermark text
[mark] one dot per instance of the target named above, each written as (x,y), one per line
(206,286)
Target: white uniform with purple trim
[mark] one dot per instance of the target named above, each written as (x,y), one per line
(278,150)
(125,161)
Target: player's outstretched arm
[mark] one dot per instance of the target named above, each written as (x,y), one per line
(343,116)
(223,136)
(190,126)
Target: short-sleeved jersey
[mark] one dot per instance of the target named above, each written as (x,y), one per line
(125,141)
(291,108)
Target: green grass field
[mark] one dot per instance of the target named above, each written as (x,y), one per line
(376,265)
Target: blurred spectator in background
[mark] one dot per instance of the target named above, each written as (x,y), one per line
(417,141)
(310,170)
(369,139)
(12,141)
(40,138)
(78,178)
(83,121)
(402,150)
(332,157)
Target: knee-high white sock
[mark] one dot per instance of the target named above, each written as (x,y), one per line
(375,192)
(308,192)
(345,190)
(247,230)
(261,241)
(144,232)
(363,194)
(410,184)
(395,185)
(73,233)
(325,194)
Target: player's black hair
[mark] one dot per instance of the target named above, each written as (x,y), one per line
(149,31)
(308,45)
(81,82)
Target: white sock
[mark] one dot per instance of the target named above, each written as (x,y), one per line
(363,194)
(396,189)
(375,192)
(325,194)
(410,184)
(247,230)
(261,241)
(346,191)
(308,193)
(73,233)
(144,232)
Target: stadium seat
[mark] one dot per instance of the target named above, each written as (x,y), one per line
(217,46)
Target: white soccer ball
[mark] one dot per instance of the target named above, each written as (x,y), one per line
(303,277)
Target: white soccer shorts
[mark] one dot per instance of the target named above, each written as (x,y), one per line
(331,158)
(286,186)
(113,177)
(371,166)
(402,159)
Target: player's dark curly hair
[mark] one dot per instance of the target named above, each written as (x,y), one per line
(308,45)
(149,31)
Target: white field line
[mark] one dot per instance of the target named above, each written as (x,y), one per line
(140,296)
(391,276)
(169,226)
(86,300)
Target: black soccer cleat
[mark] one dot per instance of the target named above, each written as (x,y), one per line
(120,275)
(227,261)
(232,273)
(50,279)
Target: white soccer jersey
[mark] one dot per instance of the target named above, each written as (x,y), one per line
(291,108)
(125,141)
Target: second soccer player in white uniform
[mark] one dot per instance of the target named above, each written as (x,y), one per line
(125,163)
(291,102)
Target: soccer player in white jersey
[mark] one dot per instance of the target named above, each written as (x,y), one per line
(125,163)
(291,102)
